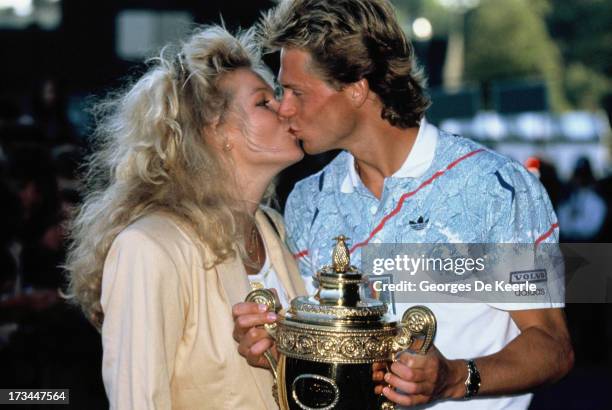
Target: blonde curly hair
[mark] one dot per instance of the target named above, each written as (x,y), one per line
(150,154)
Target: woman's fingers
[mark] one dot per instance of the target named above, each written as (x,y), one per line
(248,315)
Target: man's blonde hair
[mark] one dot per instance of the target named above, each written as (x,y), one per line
(350,40)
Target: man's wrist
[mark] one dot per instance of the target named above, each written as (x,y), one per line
(455,387)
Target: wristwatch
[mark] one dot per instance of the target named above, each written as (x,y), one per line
(472,382)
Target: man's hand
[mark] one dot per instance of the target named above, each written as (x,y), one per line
(378,376)
(542,353)
(252,339)
(417,379)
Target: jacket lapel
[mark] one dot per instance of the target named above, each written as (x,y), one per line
(236,286)
(280,258)
(234,280)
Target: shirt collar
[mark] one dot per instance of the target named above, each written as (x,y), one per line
(417,162)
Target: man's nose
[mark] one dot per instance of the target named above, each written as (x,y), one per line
(286,109)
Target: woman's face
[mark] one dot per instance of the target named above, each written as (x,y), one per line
(258,137)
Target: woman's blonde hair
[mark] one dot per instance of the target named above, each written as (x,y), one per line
(150,154)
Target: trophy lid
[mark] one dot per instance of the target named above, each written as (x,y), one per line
(339,324)
(339,300)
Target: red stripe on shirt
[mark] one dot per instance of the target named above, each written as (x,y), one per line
(547,233)
(400,203)
(407,195)
(300,254)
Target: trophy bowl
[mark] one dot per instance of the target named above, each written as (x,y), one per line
(328,342)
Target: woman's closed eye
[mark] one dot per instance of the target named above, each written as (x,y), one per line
(270,103)
(263,102)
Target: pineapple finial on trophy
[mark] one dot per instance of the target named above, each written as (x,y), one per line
(341,257)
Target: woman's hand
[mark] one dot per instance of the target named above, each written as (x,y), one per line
(252,339)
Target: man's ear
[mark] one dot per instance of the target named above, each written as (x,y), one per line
(358,92)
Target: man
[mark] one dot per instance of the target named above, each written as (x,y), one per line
(350,82)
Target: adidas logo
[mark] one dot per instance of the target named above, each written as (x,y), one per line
(419,224)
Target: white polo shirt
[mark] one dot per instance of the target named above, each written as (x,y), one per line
(458,192)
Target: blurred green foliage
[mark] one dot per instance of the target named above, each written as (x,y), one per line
(585,87)
(582,30)
(506,39)
(566,43)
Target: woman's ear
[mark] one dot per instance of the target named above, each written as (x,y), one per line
(215,124)
(213,131)
(211,137)
(217,136)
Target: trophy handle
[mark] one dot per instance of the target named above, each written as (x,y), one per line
(415,335)
(416,331)
(270,299)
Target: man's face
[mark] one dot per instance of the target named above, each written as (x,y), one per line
(319,115)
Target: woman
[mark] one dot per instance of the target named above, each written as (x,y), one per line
(172,225)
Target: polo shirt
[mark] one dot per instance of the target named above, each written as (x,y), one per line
(449,189)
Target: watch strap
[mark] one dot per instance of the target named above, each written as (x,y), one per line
(472,382)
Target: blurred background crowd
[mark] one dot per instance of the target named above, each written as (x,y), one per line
(530,78)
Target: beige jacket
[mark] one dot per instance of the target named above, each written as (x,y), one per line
(167,331)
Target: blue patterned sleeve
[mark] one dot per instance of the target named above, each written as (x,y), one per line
(298,212)
(518,209)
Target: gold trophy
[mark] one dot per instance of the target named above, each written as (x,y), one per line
(328,342)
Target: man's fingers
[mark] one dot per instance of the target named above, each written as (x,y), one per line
(424,388)
(378,376)
(378,389)
(379,366)
(408,373)
(396,397)
(413,360)
(403,399)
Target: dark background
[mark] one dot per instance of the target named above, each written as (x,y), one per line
(45,343)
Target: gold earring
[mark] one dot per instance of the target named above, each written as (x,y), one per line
(228,146)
